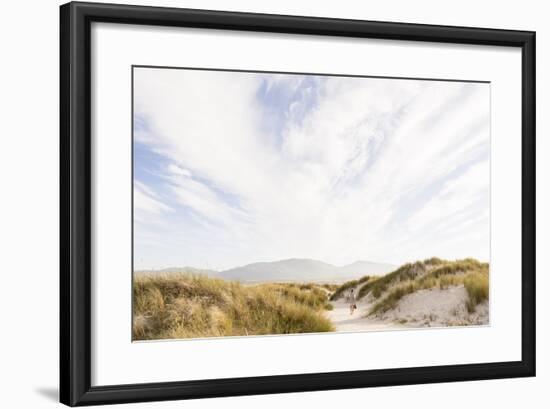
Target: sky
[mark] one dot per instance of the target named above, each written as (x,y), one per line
(232,168)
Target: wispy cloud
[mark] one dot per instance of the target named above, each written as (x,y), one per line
(147,202)
(255,167)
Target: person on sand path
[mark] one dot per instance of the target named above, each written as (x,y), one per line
(352,304)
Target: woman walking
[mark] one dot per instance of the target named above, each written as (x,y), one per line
(352,304)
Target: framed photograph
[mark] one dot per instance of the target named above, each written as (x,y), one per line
(257,204)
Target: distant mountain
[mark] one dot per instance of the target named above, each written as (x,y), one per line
(187,269)
(294,269)
(304,270)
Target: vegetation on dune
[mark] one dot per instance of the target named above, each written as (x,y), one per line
(434,261)
(194,306)
(406,272)
(477,286)
(470,273)
(430,268)
(308,294)
(330,287)
(393,297)
(340,290)
(387,290)
(183,305)
(459,266)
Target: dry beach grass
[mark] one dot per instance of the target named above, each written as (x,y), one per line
(195,306)
(432,292)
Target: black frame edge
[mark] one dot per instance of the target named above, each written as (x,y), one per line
(279,23)
(64,237)
(528,202)
(75,204)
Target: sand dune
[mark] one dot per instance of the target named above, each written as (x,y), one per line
(437,308)
(432,293)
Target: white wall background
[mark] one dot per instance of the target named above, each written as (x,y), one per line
(29,203)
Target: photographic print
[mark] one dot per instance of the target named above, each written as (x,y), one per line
(259,185)
(288,203)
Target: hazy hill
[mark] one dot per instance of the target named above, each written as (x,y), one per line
(304,270)
(186,269)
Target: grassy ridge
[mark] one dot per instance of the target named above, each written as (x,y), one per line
(194,306)
(470,273)
(339,292)
(387,290)
(406,272)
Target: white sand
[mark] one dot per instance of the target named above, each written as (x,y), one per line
(425,308)
(345,322)
(436,308)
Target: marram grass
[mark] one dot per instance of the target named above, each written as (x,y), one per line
(387,290)
(470,273)
(194,306)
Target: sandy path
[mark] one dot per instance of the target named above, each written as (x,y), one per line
(345,322)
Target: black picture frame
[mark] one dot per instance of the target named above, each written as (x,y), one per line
(76,199)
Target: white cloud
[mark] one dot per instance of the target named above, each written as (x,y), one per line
(371,170)
(147,201)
